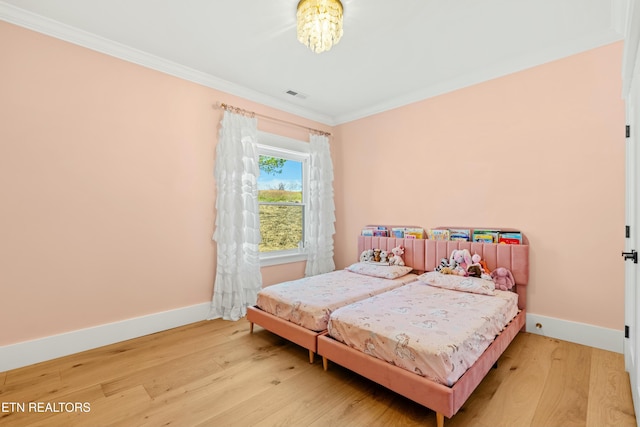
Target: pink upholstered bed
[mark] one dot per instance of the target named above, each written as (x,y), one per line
(299,310)
(442,389)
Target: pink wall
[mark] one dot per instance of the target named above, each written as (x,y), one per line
(541,150)
(106,182)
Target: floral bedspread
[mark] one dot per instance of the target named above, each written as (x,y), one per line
(309,301)
(436,333)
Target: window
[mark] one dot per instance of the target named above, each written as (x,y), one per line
(282,196)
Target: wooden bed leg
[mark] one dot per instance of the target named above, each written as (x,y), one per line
(251,327)
(439,419)
(325,363)
(311,356)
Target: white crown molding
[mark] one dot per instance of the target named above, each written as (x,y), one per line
(61,31)
(40,24)
(26,353)
(480,75)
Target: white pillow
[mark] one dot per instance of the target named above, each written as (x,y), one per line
(454,282)
(382,271)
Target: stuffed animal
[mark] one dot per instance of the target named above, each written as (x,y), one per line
(366,255)
(443,267)
(396,256)
(479,268)
(474,270)
(376,255)
(446,270)
(503,278)
(384,255)
(462,260)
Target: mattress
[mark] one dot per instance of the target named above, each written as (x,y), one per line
(309,301)
(433,332)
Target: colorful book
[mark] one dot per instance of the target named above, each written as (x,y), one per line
(367,231)
(486,236)
(438,234)
(375,230)
(510,238)
(417,233)
(463,234)
(397,232)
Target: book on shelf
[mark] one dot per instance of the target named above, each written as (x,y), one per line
(367,231)
(463,234)
(486,236)
(397,232)
(413,233)
(375,230)
(438,234)
(510,237)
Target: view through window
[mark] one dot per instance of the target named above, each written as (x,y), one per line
(281,203)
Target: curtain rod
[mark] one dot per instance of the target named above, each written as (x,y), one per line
(244,112)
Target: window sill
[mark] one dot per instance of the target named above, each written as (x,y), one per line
(282,258)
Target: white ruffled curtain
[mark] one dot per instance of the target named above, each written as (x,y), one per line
(321,219)
(237,232)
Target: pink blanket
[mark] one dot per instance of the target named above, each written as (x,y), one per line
(436,333)
(308,302)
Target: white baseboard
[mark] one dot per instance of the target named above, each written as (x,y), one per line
(579,333)
(39,350)
(29,352)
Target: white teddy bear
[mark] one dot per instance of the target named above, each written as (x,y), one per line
(396,257)
(366,255)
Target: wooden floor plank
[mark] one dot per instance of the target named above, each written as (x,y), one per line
(566,392)
(213,394)
(610,402)
(519,379)
(216,373)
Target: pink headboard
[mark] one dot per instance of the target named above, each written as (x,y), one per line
(414,249)
(512,257)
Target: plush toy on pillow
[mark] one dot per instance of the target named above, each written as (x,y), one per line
(384,255)
(479,268)
(444,267)
(459,261)
(396,256)
(503,278)
(366,255)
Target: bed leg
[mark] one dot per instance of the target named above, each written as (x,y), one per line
(251,327)
(325,363)
(439,419)
(311,356)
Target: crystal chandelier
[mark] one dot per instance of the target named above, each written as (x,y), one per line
(319,23)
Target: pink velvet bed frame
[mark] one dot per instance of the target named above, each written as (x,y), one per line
(445,401)
(414,256)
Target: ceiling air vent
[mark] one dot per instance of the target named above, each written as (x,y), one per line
(296,94)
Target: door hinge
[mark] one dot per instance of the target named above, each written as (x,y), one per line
(626,331)
(627,131)
(627,231)
(633,255)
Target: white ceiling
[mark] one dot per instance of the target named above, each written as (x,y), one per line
(391,54)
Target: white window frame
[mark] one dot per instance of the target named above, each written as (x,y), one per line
(291,149)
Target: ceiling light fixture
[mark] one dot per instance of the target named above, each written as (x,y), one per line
(319,23)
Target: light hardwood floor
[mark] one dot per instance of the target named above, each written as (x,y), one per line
(217,374)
